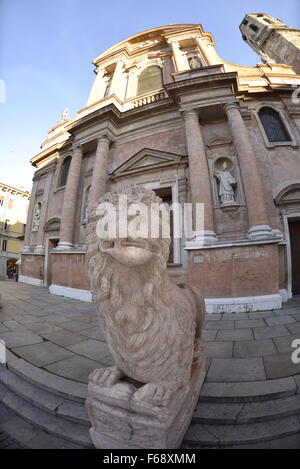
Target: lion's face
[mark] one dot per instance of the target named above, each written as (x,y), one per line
(131,252)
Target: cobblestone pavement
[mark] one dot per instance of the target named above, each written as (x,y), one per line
(62,336)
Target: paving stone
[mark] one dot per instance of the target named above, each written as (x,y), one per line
(43,354)
(76,368)
(218,325)
(235,334)
(236,369)
(27,319)
(3,328)
(234,316)
(253,348)
(94,333)
(109,361)
(219,349)
(280,320)
(285,312)
(261,314)
(247,323)
(214,317)
(294,315)
(75,326)
(13,325)
(278,366)
(294,328)
(90,348)
(209,335)
(270,332)
(284,344)
(64,338)
(56,319)
(43,328)
(20,338)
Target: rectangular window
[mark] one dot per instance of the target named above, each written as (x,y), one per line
(253,27)
(4,245)
(6,225)
(10,203)
(1,201)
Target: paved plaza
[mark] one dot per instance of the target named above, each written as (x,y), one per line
(61,338)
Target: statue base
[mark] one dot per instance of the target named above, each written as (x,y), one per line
(121,421)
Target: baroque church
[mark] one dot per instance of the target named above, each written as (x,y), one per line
(166,112)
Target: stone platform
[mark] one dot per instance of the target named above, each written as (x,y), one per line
(251,396)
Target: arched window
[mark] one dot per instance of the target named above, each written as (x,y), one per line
(273,125)
(150,79)
(64,171)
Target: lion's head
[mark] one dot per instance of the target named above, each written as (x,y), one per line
(132,260)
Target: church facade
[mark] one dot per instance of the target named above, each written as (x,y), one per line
(166,112)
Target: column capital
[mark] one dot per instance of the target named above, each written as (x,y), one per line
(191,113)
(76,146)
(233,105)
(104,137)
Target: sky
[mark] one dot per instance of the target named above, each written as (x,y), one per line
(46,49)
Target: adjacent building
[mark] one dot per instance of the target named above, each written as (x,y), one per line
(272,39)
(13,214)
(165,111)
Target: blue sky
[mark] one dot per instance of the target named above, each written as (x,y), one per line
(46,49)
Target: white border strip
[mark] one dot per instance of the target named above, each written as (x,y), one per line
(76,293)
(31,280)
(243,304)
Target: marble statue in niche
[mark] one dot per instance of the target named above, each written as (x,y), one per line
(36,216)
(226,183)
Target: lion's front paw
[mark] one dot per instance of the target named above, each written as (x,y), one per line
(106,376)
(155,394)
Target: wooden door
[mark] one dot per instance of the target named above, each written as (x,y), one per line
(294,227)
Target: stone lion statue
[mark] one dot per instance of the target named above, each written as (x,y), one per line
(152,326)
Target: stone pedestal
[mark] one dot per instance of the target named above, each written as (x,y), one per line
(122,421)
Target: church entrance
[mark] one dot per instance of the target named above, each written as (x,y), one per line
(51,244)
(294,229)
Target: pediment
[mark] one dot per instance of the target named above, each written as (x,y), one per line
(290,194)
(145,160)
(219,141)
(52,225)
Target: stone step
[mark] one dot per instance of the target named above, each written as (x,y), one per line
(251,434)
(43,379)
(50,424)
(54,404)
(250,391)
(28,436)
(247,412)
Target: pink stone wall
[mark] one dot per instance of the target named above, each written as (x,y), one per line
(32,266)
(236,271)
(69,270)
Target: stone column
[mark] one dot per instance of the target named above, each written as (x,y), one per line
(117,84)
(208,51)
(100,174)
(26,246)
(253,185)
(177,54)
(98,88)
(40,247)
(199,173)
(69,204)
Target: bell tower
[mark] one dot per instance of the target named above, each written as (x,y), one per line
(272,40)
